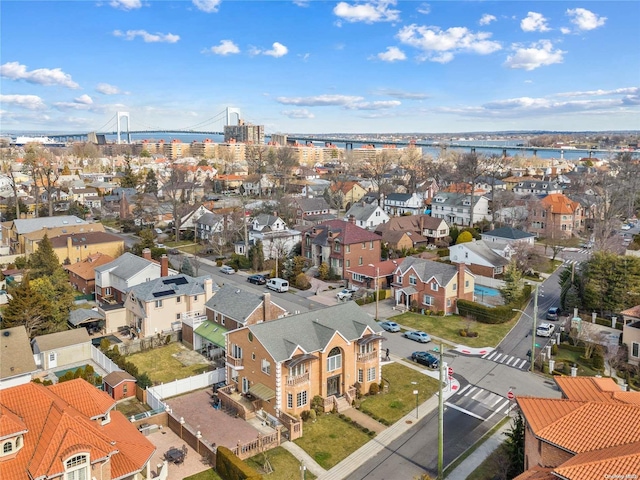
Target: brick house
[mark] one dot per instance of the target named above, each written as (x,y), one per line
(119,385)
(341,245)
(69,430)
(286,362)
(347,193)
(434,286)
(309,211)
(419,226)
(82,275)
(556,216)
(592,432)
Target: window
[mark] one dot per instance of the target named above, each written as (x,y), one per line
(399,278)
(466,283)
(466,254)
(236,351)
(427,300)
(195,298)
(413,280)
(360,375)
(364,245)
(178,299)
(434,286)
(366,348)
(371,374)
(371,245)
(178,316)
(301,399)
(448,302)
(125,388)
(7,447)
(266,367)
(348,263)
(360,262)
(297,370)
(289,400)
(158,303)
(52,357)
(77,468)
(348,247)
(108,291)
(253,355)
(334,360)
(455,286)
(336,247)
(357,277)
(635,347)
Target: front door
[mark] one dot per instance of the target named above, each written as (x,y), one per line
(245,384)
(333,386)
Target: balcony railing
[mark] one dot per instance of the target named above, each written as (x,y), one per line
(295,380)
(234,362)
(367,357)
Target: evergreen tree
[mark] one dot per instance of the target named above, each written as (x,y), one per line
(129,179)
(256,255)
(514,446)
(512,289)
(151,183)
(61,294)
(186,268)
(44,261)
(146,241)
(27,307)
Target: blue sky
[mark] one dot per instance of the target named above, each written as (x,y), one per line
(321,66)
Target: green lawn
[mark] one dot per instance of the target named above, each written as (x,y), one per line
(330,440)
(584,366)
(399,400)
(209,474)
(285,465)
(161,365)
(448,328)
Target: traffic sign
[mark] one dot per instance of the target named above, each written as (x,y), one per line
(537,345)
(510,395)
(450,371)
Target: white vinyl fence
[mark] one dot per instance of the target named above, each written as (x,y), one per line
(105,362)
(156,394)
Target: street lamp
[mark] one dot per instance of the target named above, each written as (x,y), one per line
(415,392)
(303,470)
(377,286)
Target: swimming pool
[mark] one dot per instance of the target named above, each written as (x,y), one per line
(482,291)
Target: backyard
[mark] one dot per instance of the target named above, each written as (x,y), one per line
(285,466)
(170,362)
(329,440)
(399,400)
(448,328)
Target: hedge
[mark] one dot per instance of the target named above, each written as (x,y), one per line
(493,315)
(230,467)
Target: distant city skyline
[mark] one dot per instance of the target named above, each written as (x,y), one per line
(319,66)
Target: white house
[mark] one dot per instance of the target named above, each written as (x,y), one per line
(366,215)
(508,235)
(480,259)
(455,208)
(403,203)
(268,223)
(189,221)
(208,225)
(59,349)
(276,244)
(537,187)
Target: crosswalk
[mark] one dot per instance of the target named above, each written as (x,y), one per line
(479,403)
(569,262)
(509,360)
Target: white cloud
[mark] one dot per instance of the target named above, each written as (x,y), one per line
(401,94)
(369,12)
(392,54)
(301,113)
(208,6)
(377,105)
(424,8)
(319,100)
(40,76)
(565,30)
(30,102)
(592,93)
(126,4)
(585,19)
(539,54)
(486,19)
(534,22)
(301,3)
(84,99)
(147,37)
(277,50)
(441,45)
(106,89)
(226,47)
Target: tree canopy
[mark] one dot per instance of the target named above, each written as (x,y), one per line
(464,237)
(44,261)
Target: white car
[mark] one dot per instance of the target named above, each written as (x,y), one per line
(227,269)
(345,294)
(625,227)
(545,330)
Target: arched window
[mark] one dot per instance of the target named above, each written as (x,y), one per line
(7,447)
(77,468)
(334,360)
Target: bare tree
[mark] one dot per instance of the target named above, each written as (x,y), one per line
(7,168)
(375,166)
(256,157)
(48,174)
(176,190)
(470,167)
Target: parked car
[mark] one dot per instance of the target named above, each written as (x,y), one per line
(545,330)
(553,313)
(345,294)
(425,358)
(390,326)
(257,279)
(174,251)
(278,285)
(227,269)
(626,227)
(418,336)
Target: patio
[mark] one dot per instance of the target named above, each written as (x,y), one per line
(164,440)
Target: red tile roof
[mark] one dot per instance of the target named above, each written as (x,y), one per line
(560,203)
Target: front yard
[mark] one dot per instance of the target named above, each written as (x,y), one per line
(399,400)
(168,363)
(448,328)
(329,440)
(285,466)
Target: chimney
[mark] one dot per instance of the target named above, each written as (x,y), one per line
(208,289)
(461,270)
(266,307)
(164,265)
(146,254)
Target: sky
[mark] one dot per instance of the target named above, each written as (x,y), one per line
(312,66)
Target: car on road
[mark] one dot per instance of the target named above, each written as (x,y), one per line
(418,336)
(257,279)
(425,358)
(390,326)
(626,227)
(570,249)
(174,251)
(227,269)
(553,313)
(545,330)
(345,294)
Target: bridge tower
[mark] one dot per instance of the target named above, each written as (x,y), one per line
(232,111)
(120,116)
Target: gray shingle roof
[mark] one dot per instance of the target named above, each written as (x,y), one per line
(312,204)
(125,266)
(425,269)
(267,220)
(169,287)
(313,330)
(32,224)
(481,249)
(81,315)
(234,302)
(62,339)
(509,233)
(454,199)
(210,219)
(361,212)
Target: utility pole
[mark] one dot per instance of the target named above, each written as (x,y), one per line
(533,331)
(440,418)
(246,237)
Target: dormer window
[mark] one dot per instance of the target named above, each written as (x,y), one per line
(7,447)
(77,468)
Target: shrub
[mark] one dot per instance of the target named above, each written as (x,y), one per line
(302,282)
(554,349)
(374,389)
(598,360)
(463,333)
(230,467)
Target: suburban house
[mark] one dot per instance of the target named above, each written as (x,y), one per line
(268,223)
(592,432)
(507,235)
(489,184)
(631,333)
(13,231)
(258,185)
(31,240)
(378,275)
(430,285)
(69,430)
(56,350)
(367,215)
(556,216)
(310,211)
(190,220)
(286,362)
(455,208)
(347,193)
(119,385)
(537,187)
(76,247)
(418,226)
(396,204)
(341,245)
(209,225)
(82,275)
(16,360)
(479,258)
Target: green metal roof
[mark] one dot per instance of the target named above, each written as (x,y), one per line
(212,332)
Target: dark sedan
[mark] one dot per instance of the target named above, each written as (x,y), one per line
(425,358)
(257,279)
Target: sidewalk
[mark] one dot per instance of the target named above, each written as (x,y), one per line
(304,457)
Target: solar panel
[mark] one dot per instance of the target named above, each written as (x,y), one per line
(164,293)
(175,281)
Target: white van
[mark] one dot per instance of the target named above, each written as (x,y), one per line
(278,284)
